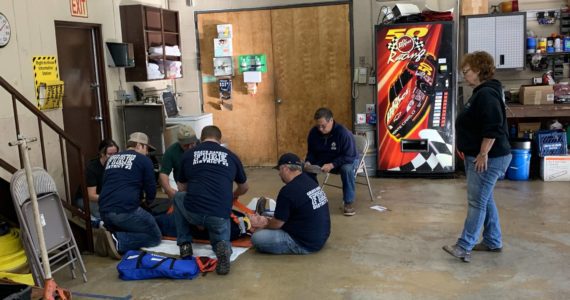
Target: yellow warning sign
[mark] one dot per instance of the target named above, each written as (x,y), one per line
(49,89)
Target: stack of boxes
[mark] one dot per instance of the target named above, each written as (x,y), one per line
(554,162)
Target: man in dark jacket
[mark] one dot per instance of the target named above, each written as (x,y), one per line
(332,147)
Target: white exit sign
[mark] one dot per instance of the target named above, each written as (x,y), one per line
(78,8)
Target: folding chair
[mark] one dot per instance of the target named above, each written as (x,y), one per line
(60,243)
(361,147)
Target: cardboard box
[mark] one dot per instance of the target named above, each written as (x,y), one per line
(536,94)
(474,7)
(530,127)
(555,168)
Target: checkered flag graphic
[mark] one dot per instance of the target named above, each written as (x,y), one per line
(438,158)
(392,46)
(418,44)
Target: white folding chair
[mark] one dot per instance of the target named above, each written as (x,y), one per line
(361,148)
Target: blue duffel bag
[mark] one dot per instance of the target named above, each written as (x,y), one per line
(137,265)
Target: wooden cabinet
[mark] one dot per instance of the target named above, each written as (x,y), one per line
(148,119)
(155,35)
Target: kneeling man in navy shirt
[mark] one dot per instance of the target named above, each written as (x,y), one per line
(301,224)
(208,172)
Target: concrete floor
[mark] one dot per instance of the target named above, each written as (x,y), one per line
(387,255)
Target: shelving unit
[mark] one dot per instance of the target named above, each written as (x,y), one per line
(538,111)
(152,31)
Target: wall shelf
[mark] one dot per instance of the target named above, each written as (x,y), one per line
(146,27)
(538,111)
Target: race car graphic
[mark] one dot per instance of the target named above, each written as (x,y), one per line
(410,96)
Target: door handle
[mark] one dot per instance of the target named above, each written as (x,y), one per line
(97,118)
(94,85)
(278,100)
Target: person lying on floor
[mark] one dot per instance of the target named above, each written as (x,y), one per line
(128,174)
(301,224)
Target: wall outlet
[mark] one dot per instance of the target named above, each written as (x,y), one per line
(121,95)
(372,80)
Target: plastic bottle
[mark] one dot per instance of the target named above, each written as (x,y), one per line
(567,44)
(513,131)
(557,44)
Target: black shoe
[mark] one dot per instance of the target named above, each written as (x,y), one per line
(458,252)
(483,247)
(223,253)
(186,250)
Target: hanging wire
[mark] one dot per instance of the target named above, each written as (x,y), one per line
(387,15)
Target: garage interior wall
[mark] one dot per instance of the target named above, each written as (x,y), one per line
(33,33)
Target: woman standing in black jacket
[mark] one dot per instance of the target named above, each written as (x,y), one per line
(482,138)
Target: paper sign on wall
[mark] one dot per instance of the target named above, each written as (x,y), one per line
(78,8)
(48,87)
(253,62)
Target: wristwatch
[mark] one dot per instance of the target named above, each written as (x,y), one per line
(482,154)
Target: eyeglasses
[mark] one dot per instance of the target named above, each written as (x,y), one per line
(465,71)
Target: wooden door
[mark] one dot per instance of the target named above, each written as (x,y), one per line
(308,66)
(311,54)
(85,114)
(248,129)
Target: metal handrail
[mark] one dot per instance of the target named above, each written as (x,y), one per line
(63,137)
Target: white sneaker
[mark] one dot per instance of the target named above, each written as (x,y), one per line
(112,245)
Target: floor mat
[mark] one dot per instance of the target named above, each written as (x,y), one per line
(169,247)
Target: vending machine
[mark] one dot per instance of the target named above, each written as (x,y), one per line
(415,99)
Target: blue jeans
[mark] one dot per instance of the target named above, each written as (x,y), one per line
(218,228)
(133,230)
(276,241)
(347,176)
(481,210)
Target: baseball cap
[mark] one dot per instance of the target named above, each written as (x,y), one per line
(186,135)
(141,138)
(289,159)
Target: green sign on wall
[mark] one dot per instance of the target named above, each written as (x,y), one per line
(252,62)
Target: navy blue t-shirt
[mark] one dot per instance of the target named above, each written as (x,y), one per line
(304,208)
(209,170)
(127,174)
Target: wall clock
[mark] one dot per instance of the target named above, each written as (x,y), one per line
(5,30)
